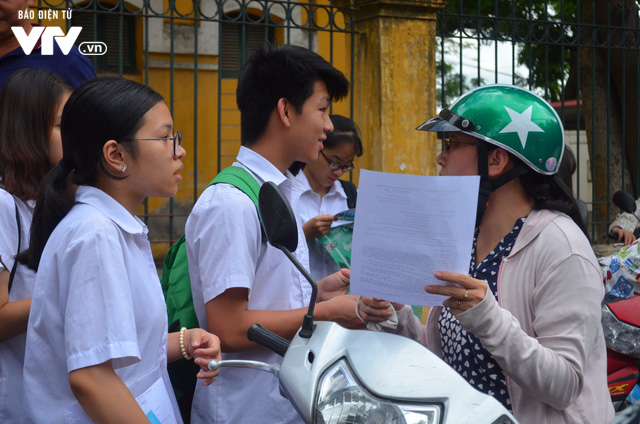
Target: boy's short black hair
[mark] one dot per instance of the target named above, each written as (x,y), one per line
(273,73)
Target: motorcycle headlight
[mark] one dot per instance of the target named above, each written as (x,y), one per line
(341,399)
(620,336)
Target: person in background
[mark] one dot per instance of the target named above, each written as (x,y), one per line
(97,343)
(31,105)
(524,325)
(566,169)
(323,193)
(625,225)
(74,67)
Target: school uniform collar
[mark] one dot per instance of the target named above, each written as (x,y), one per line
(262,169)
(111,208)
(303,183)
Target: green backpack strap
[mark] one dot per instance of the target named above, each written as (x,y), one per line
(176,287)
(175,281)
(241,179)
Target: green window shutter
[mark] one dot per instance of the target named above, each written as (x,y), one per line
(106,28)
(236,46)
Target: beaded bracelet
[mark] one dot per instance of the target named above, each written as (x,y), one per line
(182,349)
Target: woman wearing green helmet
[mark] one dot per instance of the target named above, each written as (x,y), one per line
(524,325)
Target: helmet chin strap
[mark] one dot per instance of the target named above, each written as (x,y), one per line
(488,185)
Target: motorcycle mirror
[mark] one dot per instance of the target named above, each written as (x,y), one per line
(624,201)
(280,226)
(278,219)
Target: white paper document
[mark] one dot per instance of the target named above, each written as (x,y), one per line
(408,227)
(156,404)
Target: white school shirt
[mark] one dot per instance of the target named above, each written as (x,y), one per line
(12,350)
(225,250)
(311,205)
(97,298)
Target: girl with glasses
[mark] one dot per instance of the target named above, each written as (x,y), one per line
(31,103)
(97,343)
(324,193)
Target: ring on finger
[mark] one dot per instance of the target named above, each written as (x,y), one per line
(458,304)
(466,295)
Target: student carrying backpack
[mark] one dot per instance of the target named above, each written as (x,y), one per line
(176,287)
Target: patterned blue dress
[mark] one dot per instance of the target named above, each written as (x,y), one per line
(462,350)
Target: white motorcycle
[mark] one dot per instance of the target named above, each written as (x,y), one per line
(334,375)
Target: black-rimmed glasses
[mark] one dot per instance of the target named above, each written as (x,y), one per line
(335,166)
(177,141)
(447,144)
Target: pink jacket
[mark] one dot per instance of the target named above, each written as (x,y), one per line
(546,332)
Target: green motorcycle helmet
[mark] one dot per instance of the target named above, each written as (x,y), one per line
(509,117)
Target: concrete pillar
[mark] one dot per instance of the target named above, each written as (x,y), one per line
(395,82)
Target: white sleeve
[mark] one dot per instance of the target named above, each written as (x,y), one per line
(626,221)
(8,230)
(99,322)
(223,238)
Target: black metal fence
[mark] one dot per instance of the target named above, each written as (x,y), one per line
(582,56)
(191,52)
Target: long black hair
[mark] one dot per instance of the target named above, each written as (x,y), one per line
(101,109)
(29,100)
(551,192)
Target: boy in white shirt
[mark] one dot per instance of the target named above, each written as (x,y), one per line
(237,279)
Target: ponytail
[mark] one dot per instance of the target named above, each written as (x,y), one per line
(101,109)
(54,202)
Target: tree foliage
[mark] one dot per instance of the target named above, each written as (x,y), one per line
(510,20)
(573,49)
(452,82)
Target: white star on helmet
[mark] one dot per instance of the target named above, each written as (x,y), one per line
(521,123)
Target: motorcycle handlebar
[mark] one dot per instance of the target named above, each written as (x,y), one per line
(266,338)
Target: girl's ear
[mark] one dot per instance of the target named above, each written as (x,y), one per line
(115,158)
(284,109)
(499,162)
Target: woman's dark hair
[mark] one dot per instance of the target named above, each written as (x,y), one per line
(345,131)
(567,167)
(29,100)
(548,191)
(551,192)
(101,109)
